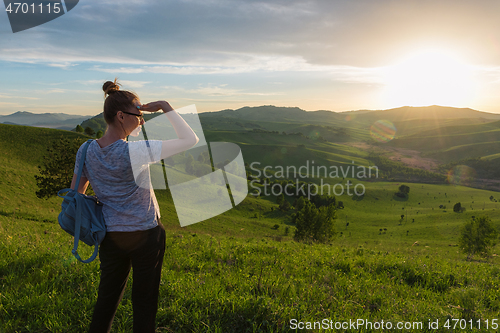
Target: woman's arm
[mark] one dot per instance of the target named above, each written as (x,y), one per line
(187,138)
(82,187)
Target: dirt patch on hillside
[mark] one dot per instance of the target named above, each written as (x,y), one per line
(408,157)
(412,159)
(487,184)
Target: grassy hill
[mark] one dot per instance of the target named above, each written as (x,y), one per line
(237,272)
(290,119)
(434,112)
(414,126)
(453,143)
(50,120)
(21,151)
(445,133)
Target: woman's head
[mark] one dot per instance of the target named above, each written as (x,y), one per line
(117,100)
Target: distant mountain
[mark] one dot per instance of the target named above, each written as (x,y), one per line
(433,112)
(270,113)
(97,123)
(48,120)
(407,119)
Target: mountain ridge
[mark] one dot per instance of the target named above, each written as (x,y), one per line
(48,120)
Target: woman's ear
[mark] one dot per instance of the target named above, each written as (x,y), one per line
(119,115)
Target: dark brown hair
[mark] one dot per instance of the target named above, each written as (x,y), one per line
(117,100)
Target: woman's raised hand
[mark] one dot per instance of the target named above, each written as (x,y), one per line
(157,106)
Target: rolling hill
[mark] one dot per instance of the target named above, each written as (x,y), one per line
(48,120)
(393,258)
(441,135)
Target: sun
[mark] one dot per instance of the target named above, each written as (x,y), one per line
(431,77)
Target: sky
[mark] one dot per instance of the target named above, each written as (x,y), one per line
(337,55)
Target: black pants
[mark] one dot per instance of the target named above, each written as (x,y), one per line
(143,251)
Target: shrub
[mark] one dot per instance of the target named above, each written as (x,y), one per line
(280,199)
(56,171)
(89,131)
(285,205)
(477,236)
(315,223)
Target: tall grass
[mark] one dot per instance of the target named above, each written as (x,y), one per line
(235,284)
(237,273)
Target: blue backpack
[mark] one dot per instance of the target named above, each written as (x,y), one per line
(81,215)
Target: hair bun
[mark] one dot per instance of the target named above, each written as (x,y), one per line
(110,87)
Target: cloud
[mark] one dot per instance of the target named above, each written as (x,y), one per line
(10,104)
(54,91)
(252,64)
(134,84)
(219,91)
(212,33)
(5,96)
(91,82)
(63,65)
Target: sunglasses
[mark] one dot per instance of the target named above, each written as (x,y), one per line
(140,116)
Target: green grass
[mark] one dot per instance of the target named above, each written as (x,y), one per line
(244,284)
(236,273)
(431,126)
(21,151)
(473,150)
(455,142)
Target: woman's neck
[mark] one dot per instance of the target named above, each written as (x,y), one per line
(112,134)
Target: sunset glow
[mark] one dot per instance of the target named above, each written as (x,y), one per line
(430,78)
(343,56)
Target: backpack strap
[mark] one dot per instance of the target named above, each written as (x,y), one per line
(79,204)
(78,223)
(82,162)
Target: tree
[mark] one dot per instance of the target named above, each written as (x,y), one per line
(201,170)
(89,131)
(404,189)
(457,208)
(477,236)
(99,134)
(285,205)
(280,199)
(323,200)
(299,203)
(316,224)
(190,165)
(403,192)
(79,129)
(303,220)
(56,171)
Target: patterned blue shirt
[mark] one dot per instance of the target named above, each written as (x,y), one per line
(129,203)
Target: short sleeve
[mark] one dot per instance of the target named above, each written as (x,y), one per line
(144,152)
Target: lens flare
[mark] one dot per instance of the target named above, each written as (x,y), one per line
(383,131)
(461,175)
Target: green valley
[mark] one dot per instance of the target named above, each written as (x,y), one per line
(395,258)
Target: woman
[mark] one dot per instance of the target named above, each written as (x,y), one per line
(135,237)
